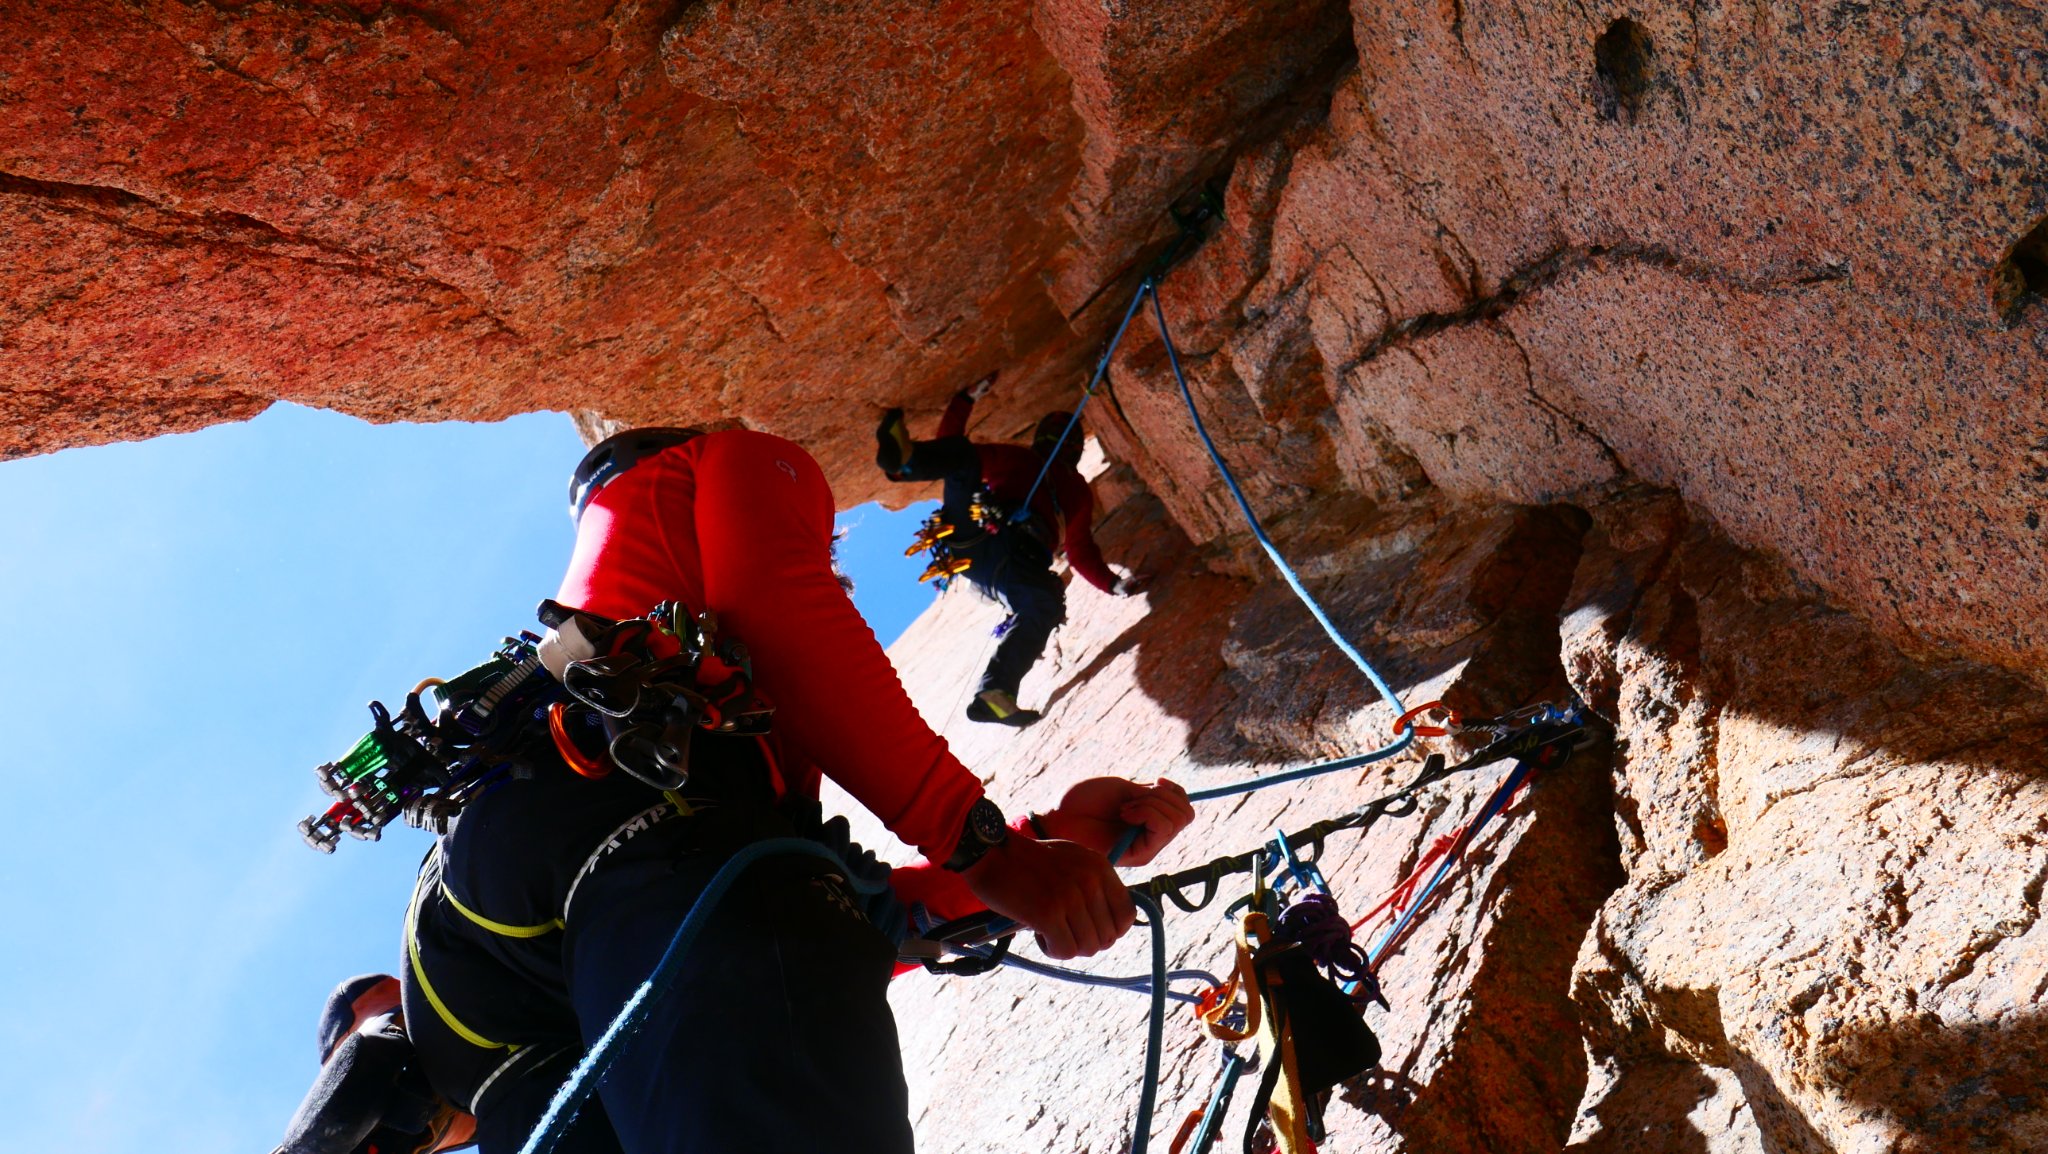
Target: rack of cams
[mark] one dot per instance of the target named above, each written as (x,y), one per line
(425,768)
(598,694)
(934,536)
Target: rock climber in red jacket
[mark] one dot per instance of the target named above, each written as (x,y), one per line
(1009,557)
(551,898)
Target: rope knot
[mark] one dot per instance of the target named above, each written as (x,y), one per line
(1314,922)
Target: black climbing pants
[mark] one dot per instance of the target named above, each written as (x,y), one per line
(778,1038)
(1013,566)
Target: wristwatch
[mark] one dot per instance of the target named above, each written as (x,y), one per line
(983,831)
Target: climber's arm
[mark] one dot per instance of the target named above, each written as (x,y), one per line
(1078,504)
(764,535)
(954,422)
(763,520)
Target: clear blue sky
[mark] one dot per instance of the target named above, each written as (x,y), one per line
(197,621)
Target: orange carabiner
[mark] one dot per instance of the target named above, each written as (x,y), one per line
(565,745)
(1407,720)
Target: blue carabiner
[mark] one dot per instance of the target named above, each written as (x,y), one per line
(1306,874)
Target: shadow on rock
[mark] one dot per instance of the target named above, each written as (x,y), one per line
(1966,1086)
(1669,1107)
(1460,604)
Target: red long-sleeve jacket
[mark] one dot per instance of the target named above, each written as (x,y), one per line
(740,523)
(1063,501)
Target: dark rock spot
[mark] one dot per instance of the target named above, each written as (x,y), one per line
(1711,834)
(1624,69)
(2023,274)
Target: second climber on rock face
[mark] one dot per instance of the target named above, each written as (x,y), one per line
(1006,545)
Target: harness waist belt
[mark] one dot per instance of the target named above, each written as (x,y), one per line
(616,454)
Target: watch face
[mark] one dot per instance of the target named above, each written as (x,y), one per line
(987,822)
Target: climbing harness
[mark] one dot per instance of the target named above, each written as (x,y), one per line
(601,694)
(986,517)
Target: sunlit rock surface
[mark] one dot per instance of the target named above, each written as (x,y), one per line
(1689,357)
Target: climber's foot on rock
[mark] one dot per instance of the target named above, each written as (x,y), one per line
(1000,708)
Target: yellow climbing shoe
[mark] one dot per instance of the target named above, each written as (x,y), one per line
(994,705)
(892,443)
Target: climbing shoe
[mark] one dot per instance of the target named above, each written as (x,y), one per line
(996,706)
(892,443)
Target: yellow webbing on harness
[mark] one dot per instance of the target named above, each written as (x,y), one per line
(500,928)
(412,954)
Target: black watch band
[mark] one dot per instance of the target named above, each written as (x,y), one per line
(983,831)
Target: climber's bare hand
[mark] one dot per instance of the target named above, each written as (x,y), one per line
(1096,812)
(1066,893)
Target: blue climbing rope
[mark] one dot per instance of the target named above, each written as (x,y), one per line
(1149,289)
(1023,511)
(582,1081)
(1308,601)
(1136,983)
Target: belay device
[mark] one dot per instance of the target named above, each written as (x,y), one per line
(597,694)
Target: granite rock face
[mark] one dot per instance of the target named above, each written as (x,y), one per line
(1689,358)
(1835,856)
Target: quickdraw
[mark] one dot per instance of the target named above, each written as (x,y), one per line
(934,530)
(943,569)
(940,537)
